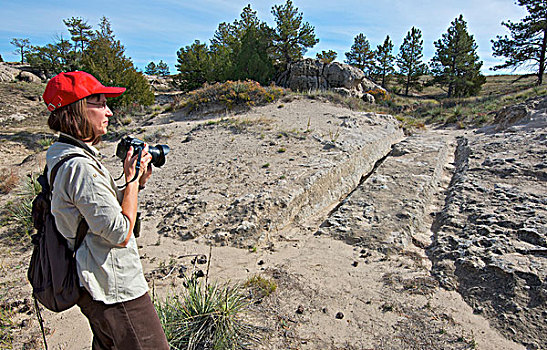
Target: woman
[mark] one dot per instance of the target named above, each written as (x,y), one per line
(114,291)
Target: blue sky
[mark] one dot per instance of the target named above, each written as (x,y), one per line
(155,29)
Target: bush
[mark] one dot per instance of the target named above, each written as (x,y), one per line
(207,316)
(379,94)
(231,95)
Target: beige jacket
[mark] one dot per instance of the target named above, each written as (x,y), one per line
(84,188)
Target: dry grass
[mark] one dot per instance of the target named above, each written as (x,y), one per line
(9,179)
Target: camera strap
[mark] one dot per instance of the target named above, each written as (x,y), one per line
(137,170)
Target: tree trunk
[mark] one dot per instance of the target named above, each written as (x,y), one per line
(542,57)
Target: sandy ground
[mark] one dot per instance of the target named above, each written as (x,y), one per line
(238,185)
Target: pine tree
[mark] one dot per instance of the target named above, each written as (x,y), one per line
(232,52)
(252,53)
(81,32)
(384,61)
(360,55)
(194,65)
(22,47)
(162,69)
(104,58)
(528,41)
(52,58)
(292,36)
(150,69)
(456,63)
(326,56)
(409,59)
(252,60)
(223,45)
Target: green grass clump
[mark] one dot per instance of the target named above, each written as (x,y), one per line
(207,316)
(20,211)
(260,287)
(46,142)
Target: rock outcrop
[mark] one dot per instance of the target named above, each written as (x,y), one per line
(20,73)
(7,73)
(312,74)
(530,114)
(490,239)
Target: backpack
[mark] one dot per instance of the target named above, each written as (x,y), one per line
(52,269)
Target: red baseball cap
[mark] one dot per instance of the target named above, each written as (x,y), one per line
(66,88)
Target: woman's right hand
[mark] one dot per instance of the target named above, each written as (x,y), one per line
(130,162)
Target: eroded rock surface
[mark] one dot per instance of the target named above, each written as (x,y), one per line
(312,74)
(490,239)
(239,181)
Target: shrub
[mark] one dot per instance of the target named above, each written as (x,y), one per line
(207,316)
(379,94)
(232,94)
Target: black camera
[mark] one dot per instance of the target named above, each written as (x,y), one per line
(158,152)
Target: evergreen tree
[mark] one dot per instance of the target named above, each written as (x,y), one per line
(292,37)
(46,59)
(252,60)
(23,47)
(360,55)
(409,59)
(223,46)
(384,61)
(150,69)
(162,69)
(105,59)
(81,32)
(252,51)
(456,63)
(194,65)
(228,43)
(326,56)
(52,58)
(528,41)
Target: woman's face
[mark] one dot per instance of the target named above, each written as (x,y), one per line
(98,113)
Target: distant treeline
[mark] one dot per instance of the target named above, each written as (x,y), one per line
(248,48)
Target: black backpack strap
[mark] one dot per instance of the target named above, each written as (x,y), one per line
(82,226)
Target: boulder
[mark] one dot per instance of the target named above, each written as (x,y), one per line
(7,73)
(28,77)
(312,74)
(343,75)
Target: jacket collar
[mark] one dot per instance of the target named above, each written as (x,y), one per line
(65,138)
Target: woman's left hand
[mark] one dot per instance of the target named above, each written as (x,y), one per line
(146,175)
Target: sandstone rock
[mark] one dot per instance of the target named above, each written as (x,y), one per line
(7,73)
(311,74)
(28,77)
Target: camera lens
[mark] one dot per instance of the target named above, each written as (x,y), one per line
(158,153)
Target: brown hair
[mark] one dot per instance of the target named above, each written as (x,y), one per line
(72,120)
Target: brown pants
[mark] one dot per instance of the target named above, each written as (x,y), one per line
(131,325)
